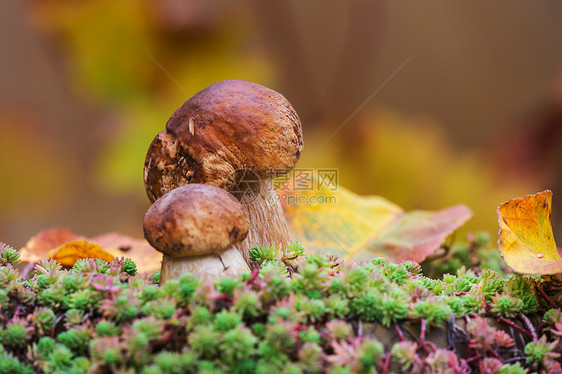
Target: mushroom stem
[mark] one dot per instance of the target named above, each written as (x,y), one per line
(267,223)
(228,263)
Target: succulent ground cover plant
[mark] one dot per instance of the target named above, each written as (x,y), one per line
(476,251)
(314,314)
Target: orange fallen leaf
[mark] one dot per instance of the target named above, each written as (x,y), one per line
(70,252)
(526,241)
(362,227)
(44,241)
(47,242)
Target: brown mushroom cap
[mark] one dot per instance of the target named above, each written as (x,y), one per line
(195,219)
(229,126)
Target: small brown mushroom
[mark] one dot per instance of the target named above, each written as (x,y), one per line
(196,227)
(236,135)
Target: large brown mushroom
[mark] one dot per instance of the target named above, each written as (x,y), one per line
(196,227)
(236,135)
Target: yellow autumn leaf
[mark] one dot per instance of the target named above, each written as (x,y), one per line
(362,227)
(70,252)
(526,241)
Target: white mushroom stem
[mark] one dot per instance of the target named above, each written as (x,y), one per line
(228,263)
(267,223)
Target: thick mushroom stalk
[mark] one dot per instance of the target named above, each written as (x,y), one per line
(196,227)
(267,223)
(234,135)
(226,264)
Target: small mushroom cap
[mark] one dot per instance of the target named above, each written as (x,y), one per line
(195,219)
(229,126)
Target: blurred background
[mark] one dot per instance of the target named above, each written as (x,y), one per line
(426,104)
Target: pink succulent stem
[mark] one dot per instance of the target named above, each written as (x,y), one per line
(495,354)
(386,363)
(165,339)
(546,297)
(254,279)
(27,270)
(514,325)
(423,342)
(475,357)
(400,333)
(529,326)
(542,325)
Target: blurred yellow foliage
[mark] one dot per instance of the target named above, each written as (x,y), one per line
(31,173)
(105,42)
(410,162)
(139,60)
(122,56)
